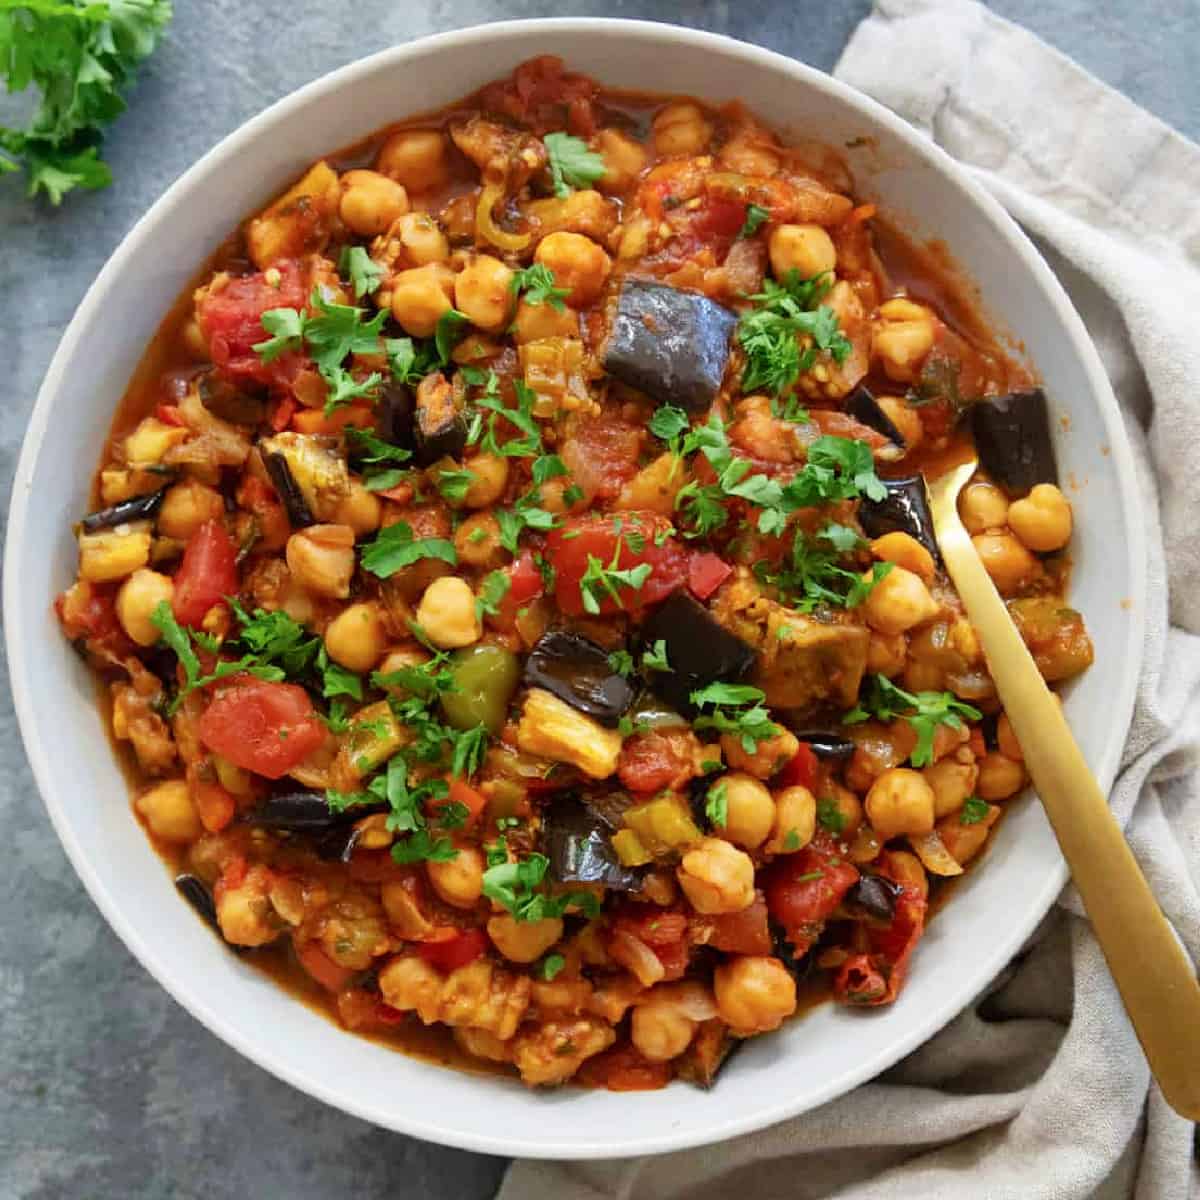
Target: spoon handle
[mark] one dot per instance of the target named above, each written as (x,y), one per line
(1157,982)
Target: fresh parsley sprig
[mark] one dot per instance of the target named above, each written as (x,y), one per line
(572,164)
(924,711)
(735,708)
(514,884)
(396,547)
(536,284)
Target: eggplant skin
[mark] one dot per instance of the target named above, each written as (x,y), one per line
(904,508)
(138,508)
(299,514)
(825,744)
(699,649)
(577,843)
(875,896)
(670,344)
(576,670)
(863,407)
(1013,440)
(195,891)
(304,812)
(441,429)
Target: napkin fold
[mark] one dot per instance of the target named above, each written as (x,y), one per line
(1039,1090)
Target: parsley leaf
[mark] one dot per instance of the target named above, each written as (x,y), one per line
(454,484)
(755,216)
(363,272)
(394,548)
(599,580)
(513,885)
(924,711)
(830,815)
(371,448)
(79,57)
(668,423)
(550,966)
(537,282)
(737,709)
(492,590)
(655,659)
(974,810)
(469,748)
(812,576)
(716,805)
(572,164)
(621,661)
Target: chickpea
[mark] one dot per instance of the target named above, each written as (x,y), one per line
(717,877)
(755,993)
(447,613)
(477,541)
(750,151)
(524,941)
(1006,739)
(1009,564)
(660,1026)
(419,297)
(137,599)
(1042,520)
(578,265)
(807,249)
(847,807)
(416,158)
(535,322)
(481,292)
(886,654)
(371,202)
(795,820)
(900,801)
(681,130)
(422,239)
(169,811)
(900,601)
(624,160)
(952,782)
(905,551)
(186,506)
(356,638)
(750,811)
(360,509)
(905,418)
(458,880)
(245,913)
(902,338)
(999,777)
(321,559)
(193,340)
(491,478)
(770,755)
(983,506)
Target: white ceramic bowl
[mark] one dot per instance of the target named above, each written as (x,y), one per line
(813,1059)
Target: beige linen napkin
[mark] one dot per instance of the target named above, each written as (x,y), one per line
(1040,1089)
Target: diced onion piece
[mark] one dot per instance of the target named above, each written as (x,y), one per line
(931,850)
(637,958)
(485,226)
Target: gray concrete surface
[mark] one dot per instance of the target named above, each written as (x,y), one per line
(107,1088)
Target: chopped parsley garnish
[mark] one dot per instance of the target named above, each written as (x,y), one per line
(550,966)
(791,841)
(455,483)
(492,590)
(621,661)
(813,576)
(655,658)
(395,547)
(513,885)
(716,805)
(599,580)
(736,708)
(769,333)
(572,164)
(537,284)
(924,711)
(361,270)
(830,815)
(668,424)
(756,215)
(974,810)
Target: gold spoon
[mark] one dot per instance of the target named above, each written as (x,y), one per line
(1152,972)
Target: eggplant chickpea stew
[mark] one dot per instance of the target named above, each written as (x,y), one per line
(514,589)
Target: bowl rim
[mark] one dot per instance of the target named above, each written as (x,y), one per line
(21,642)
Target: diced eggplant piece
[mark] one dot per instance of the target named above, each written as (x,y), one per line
(195,891)
(699,649)
(305,812)
(578,846)
(229,402)
(1012,439)
(441,430)
(396,414)
(710,1050)
(338,844)
(799,968)
(577,671)
(862,406)
(904,508)
(137,508)
(317,469)
(672,345)
(825,744)
(289,491)
(874,896)
(608,807)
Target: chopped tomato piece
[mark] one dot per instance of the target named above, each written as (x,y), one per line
(706,573)
(207,574)
(744,932)
(331,976)
(463,793)
(663,930)
(230,317)
(262,727)
(662,758)
(525,584)
(623,1068)
(89,611)
(281,414)
(465,946)
(360,1009)
(590,543)
(169,414)
(805,888)
(800,771)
